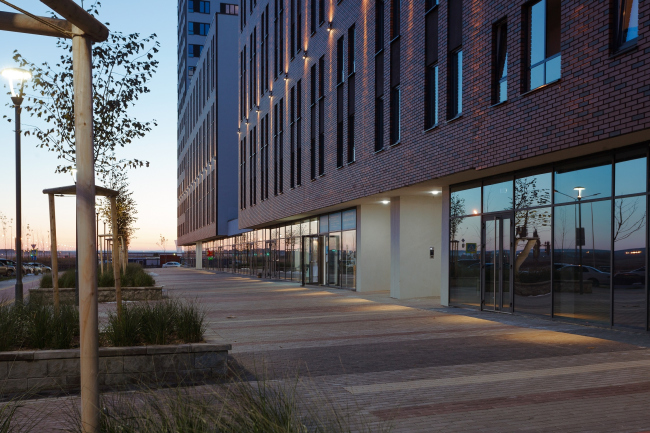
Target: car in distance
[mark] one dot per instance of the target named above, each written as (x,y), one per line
(589,273)
(6,270)
(171,265)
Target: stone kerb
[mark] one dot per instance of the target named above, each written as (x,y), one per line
(105,294)
(58,370)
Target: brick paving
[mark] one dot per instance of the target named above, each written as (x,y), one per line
(423,367)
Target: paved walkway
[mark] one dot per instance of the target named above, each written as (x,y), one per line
(423,367)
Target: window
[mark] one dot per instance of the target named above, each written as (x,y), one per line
(196,6)
(194,50)
(321,11)
(627,23)
(254,165)
(242,174)
(292,136)
(321,116)
(455,49)
(351,91)
(379,75)
(266,50)
(280,38)
(544,43)
(254,68)
(201,29)
(250,168)
(431,65)
(263,45)
(312,16)
(275,149)
(251,72)
(299,25)
(229,9)
(299,132)
(242,84)
(340,68)
(500,85)
(293,41)
(265,156)
(281,146)
(395,60)
(312,101)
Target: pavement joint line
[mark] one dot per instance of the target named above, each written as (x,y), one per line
(497,377)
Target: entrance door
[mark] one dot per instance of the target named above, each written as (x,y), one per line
(496,262)
(334,260)
(311,259)
(271,260)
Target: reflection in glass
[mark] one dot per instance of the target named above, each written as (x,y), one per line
(582,248)
(497,197)
(349,259)
(532,266)
(464,261)
(296,263)
(629,262)
(532,191)
(596,182)
(466,202)
(630,176)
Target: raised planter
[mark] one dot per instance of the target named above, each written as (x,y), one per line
(105,294)
(58,370)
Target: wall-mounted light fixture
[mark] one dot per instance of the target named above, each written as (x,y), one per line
(305,55)
(270,93)
(286,76)
(330,26)
(257,108)
(385,202)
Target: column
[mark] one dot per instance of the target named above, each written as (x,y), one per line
(199,255)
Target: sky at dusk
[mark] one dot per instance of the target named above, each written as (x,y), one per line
(154,187)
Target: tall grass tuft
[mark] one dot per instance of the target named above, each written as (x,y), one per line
(164,322)
(290,405)
(37,326)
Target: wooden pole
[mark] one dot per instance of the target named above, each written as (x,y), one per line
(53,253)
(25,24)
(84,152)
(85,22)
(116,258)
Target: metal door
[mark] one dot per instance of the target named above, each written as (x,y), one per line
(496,263)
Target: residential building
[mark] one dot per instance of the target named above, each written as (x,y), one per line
(494,154)
(207,124)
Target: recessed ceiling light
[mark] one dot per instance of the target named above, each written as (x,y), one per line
(385,201)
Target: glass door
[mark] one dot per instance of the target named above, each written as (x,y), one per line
(310,263)
(334,260)
(496,263)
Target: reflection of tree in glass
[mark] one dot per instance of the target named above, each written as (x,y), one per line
(457,208)
(626,220)
(527,195)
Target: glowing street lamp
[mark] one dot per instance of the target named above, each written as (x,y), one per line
(17,78)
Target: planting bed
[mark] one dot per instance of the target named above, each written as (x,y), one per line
(58,370)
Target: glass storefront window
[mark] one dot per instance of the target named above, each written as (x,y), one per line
(629,280)
(630,176)
(324,224)
(497,196)
(349,259)
(313,225)
(466,202)
(532,264)
(532,191)
(349,219)
(335,222)
(582,252)
(594,177)
(465,261)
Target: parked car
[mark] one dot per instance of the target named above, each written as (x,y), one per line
(26,269)
(171,265)
(39,267)
(589,273)
(35,267)
(6,270)
(630,278)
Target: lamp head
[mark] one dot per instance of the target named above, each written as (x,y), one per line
(18,76)
(73,173)
(579,189)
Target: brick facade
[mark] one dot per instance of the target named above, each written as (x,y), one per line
(600,95)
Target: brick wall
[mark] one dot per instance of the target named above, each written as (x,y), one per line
(600,95)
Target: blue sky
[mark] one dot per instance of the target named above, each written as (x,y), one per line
(154,187)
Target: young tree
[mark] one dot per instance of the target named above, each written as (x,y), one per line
(3,222)
(122,67)
(163,243)
(126,208)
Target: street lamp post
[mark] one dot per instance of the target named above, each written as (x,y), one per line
(18,76)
